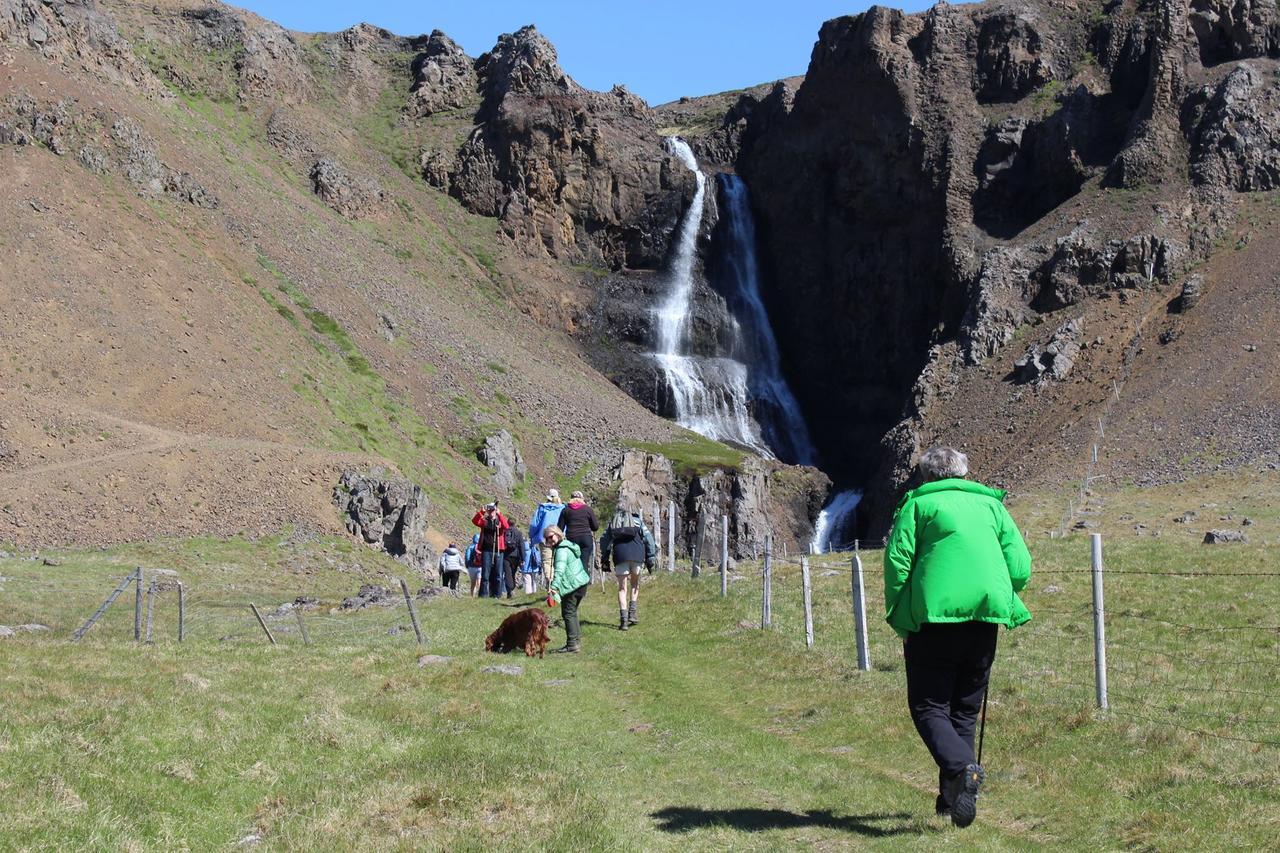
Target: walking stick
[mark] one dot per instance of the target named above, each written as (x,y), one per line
(982,727)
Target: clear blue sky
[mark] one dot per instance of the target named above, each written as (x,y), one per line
(661,49)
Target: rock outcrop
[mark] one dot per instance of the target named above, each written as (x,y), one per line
(353,197)
(576,174)
(760,498)
(444,77)
(387,513)
(501,455)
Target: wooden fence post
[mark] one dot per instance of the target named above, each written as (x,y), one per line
(182,612)
(302,626)
(860,612)
(262,622)
(413,614)
(657,527)
(102,608)
(137,608)
(151,607)
(724,556)
(808,602)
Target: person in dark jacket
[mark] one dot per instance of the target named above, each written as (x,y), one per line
(515,554)
(493,541)
(627,544)
(953,567)
(579,525)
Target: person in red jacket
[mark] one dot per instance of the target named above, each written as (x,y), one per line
(493,541)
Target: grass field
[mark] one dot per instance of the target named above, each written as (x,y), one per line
(695,730)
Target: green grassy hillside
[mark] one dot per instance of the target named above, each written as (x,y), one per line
(695,730)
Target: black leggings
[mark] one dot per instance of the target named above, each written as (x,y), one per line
(450,579)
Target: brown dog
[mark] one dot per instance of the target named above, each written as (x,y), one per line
(524,629)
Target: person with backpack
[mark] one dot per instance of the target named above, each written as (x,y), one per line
(539,563)
(953,567)
(628,544)
(569,585)
(515,555)
(452,564)
(579,524)
(473,564)
(493,532)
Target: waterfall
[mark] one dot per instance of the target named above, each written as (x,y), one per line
(775,407)
(834,530)
(711,395)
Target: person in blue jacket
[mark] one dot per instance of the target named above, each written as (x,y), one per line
(539,560)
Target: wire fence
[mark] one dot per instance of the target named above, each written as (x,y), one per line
(1192,651)
(1186,648)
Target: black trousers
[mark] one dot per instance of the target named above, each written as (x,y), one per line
(569,612)
(948,665)
(511,565)
(450,579)
(588,546)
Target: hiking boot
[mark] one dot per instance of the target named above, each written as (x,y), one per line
(622,620)
(631,615)
(962,794)
(940,807)
(570,648)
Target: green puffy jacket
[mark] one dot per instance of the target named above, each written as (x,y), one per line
(569,573)
(955,555)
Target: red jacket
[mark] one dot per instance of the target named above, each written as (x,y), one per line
(503,524)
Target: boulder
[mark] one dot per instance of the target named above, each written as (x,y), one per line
(504,669)
(388,513)
(1054,361)
(1219,537)
(502,456)
(371,595)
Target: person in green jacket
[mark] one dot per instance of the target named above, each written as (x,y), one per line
(569,584)
(953,567)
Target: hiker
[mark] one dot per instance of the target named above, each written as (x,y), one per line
(452,564)
(547,514)
(952,569)
(579,524)
(493,529)
(514,556)
(569,584)
(473,564)
(628,544)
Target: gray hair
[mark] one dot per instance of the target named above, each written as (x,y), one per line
(939,463)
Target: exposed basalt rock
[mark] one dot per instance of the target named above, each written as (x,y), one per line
(267,60)
(436,165)
(501,455)
(287,135)
(1012,59)
(1235,29)
(353,197)
(1192,290)
(1054,361)
(142,166)
(388,513)
(1082,266)
(73,32)
(761,498)
(1234,129)
(443,77)
(577,174)
(1000,303)
(1220,537)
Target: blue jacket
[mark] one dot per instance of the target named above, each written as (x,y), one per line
(544,516)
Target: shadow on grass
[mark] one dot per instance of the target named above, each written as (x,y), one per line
(686,819)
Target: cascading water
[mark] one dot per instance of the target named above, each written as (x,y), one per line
(834,530)
(775,407)
(710,395)
(739,397)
